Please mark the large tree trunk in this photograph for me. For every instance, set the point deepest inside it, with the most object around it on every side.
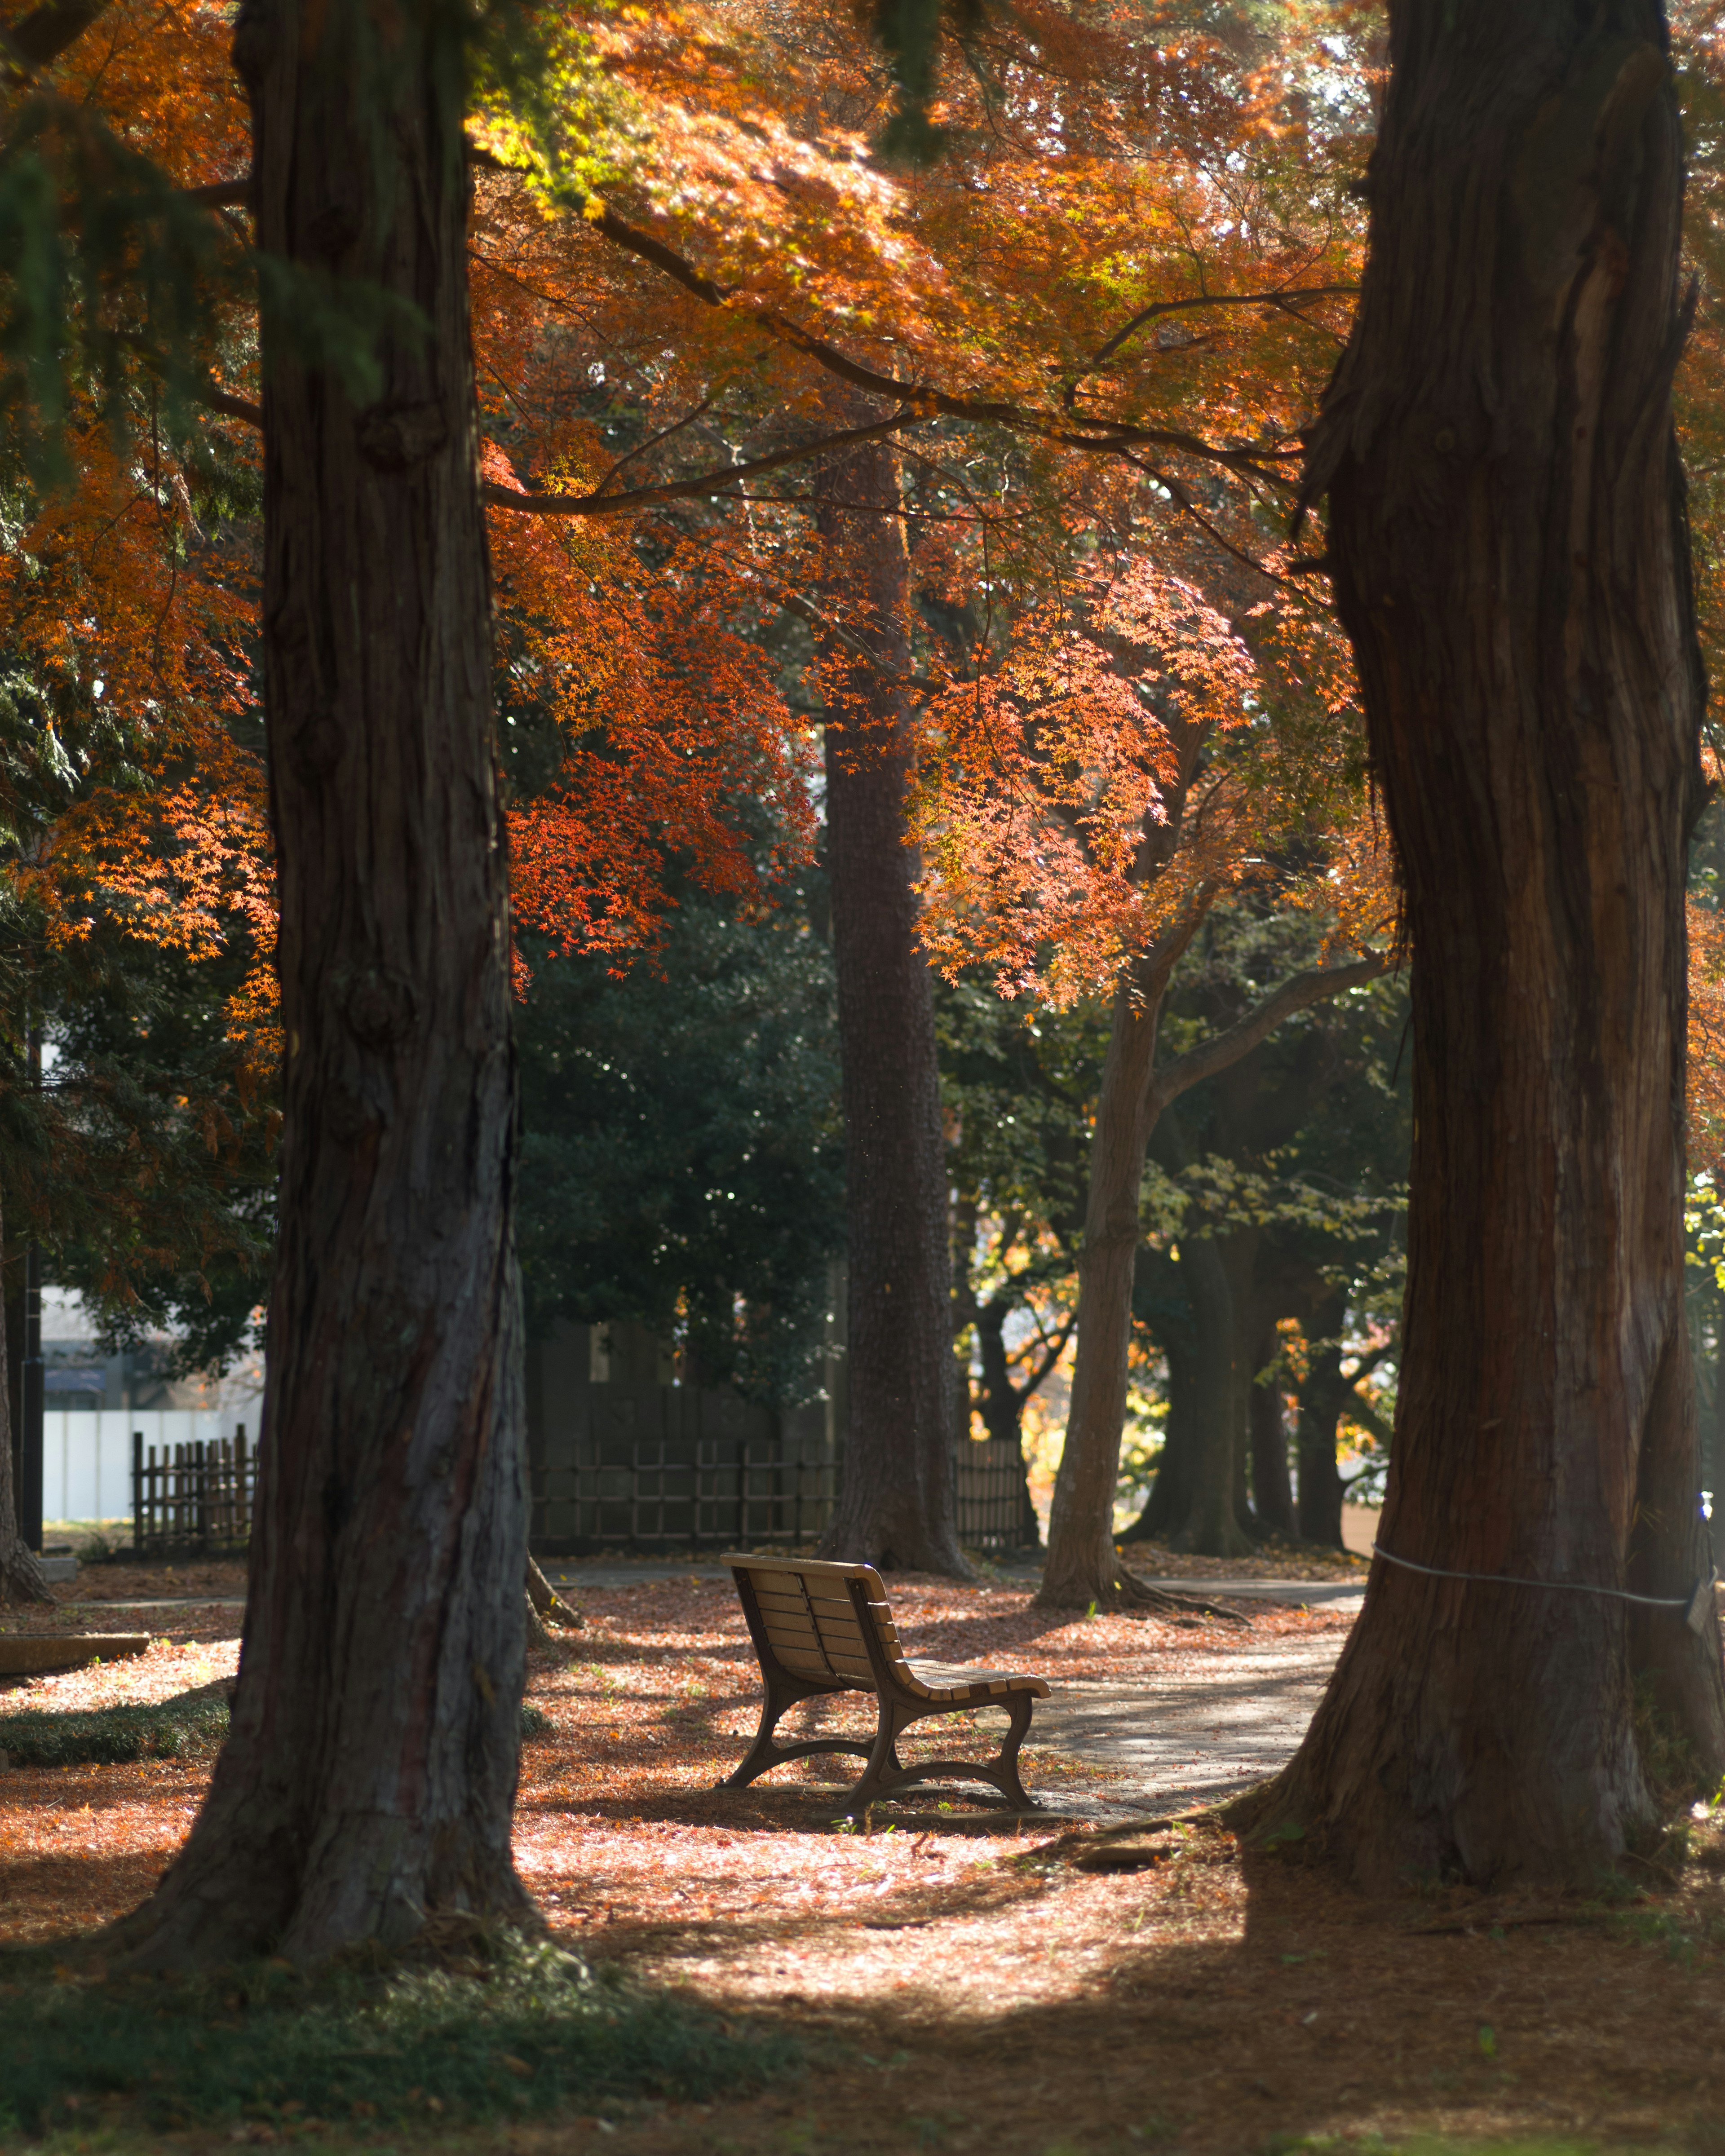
(21, 1578)
(368, 1781)
(897, 1498)
(1509, 544)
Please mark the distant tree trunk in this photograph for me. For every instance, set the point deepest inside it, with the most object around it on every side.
(1002, 1408)
(1177, 1471)
(1083, 1566)
(1509, 543)
(897, 1501)
(1272, 1489)
(368, 1781)
(1213, 1527)
(1320, 1395)
(21, 1578)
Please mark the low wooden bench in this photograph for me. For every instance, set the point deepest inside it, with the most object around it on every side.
(824, 1628)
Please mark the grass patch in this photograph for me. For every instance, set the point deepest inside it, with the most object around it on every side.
(196, 1721)
(530, 2030)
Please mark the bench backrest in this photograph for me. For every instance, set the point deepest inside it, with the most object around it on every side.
(807, 1612)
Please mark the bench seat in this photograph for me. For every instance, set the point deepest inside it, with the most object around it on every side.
(819, 1628)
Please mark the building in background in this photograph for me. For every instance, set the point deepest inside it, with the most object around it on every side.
(95, 1403)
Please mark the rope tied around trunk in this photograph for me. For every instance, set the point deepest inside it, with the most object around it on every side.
(1694, 1605)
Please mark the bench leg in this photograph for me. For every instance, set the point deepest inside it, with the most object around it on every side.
(886, 1774)
(763, 1754)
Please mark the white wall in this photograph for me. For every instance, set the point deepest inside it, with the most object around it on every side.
(86, 1452)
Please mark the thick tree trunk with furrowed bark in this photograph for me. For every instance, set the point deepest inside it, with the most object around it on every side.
(367, 1784)
(21, 1578)
(1509, 543)
(897, 1497)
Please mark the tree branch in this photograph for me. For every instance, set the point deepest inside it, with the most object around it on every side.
(221, 194)
(1356, 1408)
(601, 503)
(1226, 1047)
(46, 32)
(1275, 298)
(1097, 437)
(231, 407)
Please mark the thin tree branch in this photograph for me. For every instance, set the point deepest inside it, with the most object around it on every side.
(1227, 1047)
(1274, 298)
(221, 194)
(1096, 437)
(600, 504)
(231, 407)
(1358, 1409)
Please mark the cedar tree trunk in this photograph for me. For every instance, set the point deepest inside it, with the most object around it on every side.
(1509, 543)
(21, 1578)
(898, 1496)
(367, 1784)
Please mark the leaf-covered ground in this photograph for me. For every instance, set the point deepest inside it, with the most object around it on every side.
(957, 1988)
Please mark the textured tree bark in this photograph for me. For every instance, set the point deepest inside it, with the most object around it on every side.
(1509, 549)
(897, 1501)
(367, 1786)
(21, 1578)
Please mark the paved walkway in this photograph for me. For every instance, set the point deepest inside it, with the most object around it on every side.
(1225, 1721)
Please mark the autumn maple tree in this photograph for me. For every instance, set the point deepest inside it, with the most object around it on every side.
(1086, 806)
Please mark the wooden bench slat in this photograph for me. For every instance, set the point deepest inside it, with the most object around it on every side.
(799, 1603)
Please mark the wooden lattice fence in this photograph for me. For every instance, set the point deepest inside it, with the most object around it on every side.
(194, 1496)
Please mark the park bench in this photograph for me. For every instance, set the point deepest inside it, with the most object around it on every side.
(824, 1628)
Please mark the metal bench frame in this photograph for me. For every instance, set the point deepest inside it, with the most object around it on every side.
(886, 1772)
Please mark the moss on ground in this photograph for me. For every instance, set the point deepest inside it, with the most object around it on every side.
(526, 2029)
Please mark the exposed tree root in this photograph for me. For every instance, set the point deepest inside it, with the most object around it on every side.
(544, 1601)
(1131, 1593)
(21, 1578)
